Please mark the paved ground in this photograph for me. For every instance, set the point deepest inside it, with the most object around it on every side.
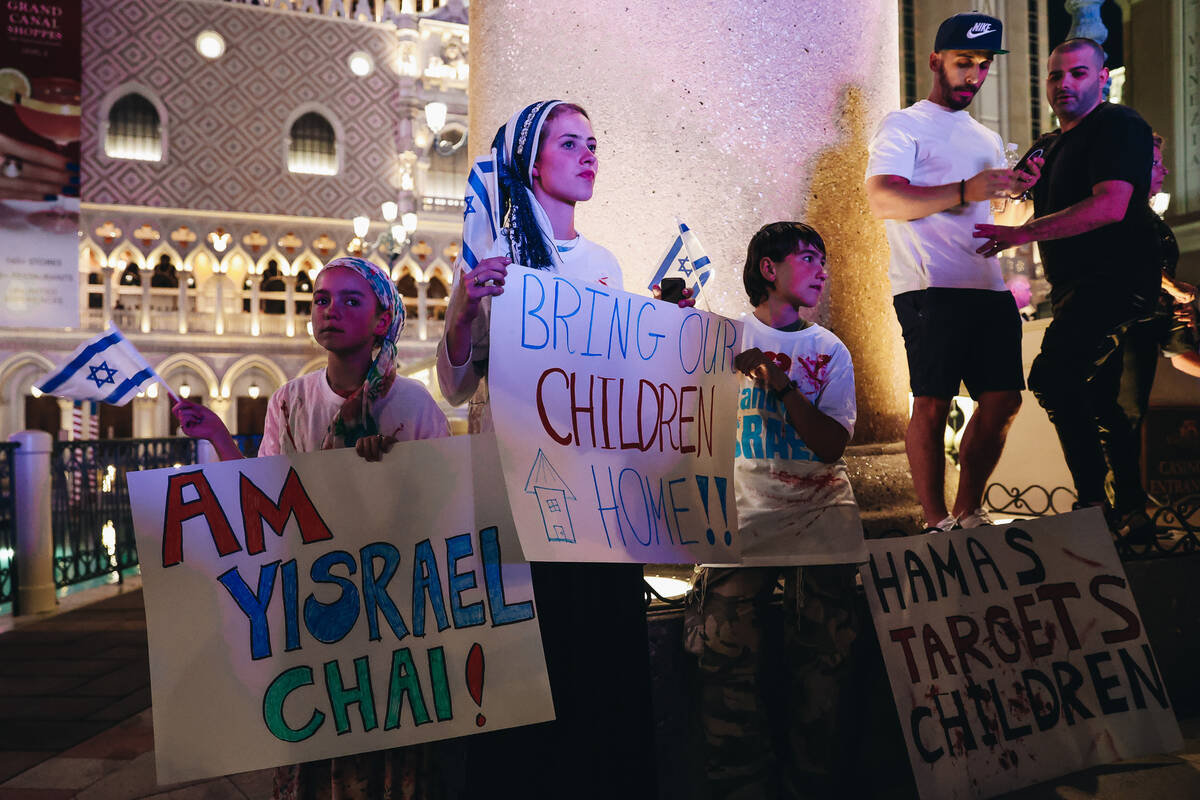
(75, 720)
(75, 709)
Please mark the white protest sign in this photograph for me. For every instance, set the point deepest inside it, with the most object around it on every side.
(1015, 653)
(615, 417)
(319, 605)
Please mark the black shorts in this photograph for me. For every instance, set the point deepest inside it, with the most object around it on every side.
(972, 336)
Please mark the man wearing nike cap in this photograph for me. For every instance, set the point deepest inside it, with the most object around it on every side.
(931, 173)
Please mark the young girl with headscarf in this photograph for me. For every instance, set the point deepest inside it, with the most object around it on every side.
(592, 616)
(358, 401)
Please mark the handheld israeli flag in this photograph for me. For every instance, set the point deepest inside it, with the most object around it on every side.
(108, 368)
(686, 259)
(481, 218)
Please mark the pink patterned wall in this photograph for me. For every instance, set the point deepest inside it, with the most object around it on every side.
(226, 119)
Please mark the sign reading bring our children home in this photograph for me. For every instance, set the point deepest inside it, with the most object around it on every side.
(319, 605)
(615, 416)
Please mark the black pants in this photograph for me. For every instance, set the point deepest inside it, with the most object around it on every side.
(601, 743)
(1093, 378)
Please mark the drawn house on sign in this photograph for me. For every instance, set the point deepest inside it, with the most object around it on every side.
(552, 495)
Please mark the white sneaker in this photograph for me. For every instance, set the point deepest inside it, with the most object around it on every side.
(948, 524)
(976, 519)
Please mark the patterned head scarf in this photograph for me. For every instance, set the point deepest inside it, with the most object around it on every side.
(354, 419)
(530, 237)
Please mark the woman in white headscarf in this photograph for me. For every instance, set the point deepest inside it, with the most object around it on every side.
(592, 616)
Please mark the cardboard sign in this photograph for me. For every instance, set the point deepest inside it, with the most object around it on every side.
(320, 605)
(1015, 653)
(615, 416)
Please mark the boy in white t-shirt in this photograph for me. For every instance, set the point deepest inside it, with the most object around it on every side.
(795, 507)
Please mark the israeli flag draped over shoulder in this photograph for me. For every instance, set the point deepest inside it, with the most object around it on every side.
(481, 218)
(686, 259)
(108, 368)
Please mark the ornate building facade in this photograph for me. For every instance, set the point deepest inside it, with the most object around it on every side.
(227, 149)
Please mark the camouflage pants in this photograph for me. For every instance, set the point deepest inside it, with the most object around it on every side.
(725, 625)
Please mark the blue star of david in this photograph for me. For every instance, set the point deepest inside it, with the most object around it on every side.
(95, 374)
(684, 268)
(470, 205)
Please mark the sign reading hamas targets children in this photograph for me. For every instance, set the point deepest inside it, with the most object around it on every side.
(1015, 654)
(615, 416)
(318, 606)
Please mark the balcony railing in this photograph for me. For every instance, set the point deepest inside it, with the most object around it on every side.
(237, 320)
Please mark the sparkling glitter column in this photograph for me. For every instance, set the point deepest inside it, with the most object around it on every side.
(729, 115)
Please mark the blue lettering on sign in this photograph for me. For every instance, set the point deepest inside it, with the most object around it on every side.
(528, 313)
(559, 316)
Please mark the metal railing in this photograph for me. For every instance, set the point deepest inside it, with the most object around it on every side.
(90, 515)
(8, 524)
(1176, 519)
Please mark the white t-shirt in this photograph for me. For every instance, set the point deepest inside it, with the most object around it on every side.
(792, 508)
(582, 260)
(299, 413)
(931, 146)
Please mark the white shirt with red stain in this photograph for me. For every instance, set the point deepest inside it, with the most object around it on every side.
(792, 508)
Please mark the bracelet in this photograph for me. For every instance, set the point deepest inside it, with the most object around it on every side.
(781, 392)
(962, 192)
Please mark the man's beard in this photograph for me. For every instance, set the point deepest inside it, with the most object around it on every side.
(950, 93)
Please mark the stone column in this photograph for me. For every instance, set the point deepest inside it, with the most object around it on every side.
(106, 275)
(219, 311)
(422, 310)
(182, 301)
(35, 542)
(255, 311)
(289, 283)
(729, 117)
(144, 275)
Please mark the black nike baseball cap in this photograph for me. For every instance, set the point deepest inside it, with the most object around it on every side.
(971, 31)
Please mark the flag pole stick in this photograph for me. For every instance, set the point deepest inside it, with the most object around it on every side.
(167, 386)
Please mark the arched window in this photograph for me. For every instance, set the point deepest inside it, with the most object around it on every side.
(312, 146)
(134, 130)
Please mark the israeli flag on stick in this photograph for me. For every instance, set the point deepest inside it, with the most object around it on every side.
(108, 368)
(481, 217)
(686, 259)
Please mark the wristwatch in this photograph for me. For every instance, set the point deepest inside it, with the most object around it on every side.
(781, 392)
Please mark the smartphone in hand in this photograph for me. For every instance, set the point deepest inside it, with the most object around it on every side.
(672, 289)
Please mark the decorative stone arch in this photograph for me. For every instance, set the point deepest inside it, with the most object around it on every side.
(128, 252)
(90, 250)
(17, 374)
(285, 266)
(200, 262)
(339, 134)
(312, 365)
(442, 270)
(109, 100)
(308, 261)
(248, 363)
(195, 364)
(18, 363)
(407, 266)
(237, 264)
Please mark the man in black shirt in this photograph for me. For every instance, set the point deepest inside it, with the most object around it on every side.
(1096, 246)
